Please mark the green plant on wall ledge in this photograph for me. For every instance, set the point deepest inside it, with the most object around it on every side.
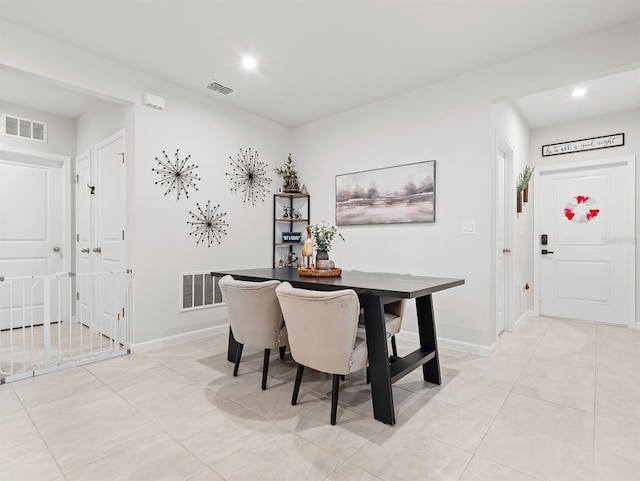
(289, 176)
(524, 177)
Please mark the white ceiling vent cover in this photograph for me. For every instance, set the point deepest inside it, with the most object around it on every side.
(13, 126)
(218, 87)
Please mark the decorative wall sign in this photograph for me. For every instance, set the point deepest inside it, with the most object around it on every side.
(594, 143)
(176, 175)
(208, 224)
(583, 210)
(249, 174)
(395, 195)
(292, 237)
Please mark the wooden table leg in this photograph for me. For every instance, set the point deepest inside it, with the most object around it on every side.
(428, 338)
(233, 347)
(381, 392)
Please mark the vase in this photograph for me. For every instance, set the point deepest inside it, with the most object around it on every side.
(321, 256)
(519, 202)
(525, 194)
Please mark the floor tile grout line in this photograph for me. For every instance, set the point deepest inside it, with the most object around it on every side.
(42, 439)
(595, 408)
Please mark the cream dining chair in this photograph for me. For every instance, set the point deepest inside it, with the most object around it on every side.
(323, 334)
(393, 314)
(255, 318)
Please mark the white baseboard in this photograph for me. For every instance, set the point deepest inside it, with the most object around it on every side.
(523, 317)
(478, 349)
(638, 326)
(179, 338)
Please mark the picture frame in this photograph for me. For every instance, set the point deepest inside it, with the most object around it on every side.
(401, 194)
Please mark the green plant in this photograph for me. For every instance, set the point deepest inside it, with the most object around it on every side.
(287, 171)
(325, 235)
(524, 177)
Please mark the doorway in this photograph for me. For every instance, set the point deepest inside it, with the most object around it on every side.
(585, 266)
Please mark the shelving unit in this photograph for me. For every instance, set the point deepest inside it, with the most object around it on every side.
(291, 213)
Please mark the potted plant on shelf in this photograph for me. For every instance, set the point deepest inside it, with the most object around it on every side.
(289, 176)
(523, 186)
(324, 236)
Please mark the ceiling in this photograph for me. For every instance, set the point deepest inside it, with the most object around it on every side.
(315, 57)
(36, 93)
(606, 95)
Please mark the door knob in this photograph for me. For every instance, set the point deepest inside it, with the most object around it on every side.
(97, 249)
(85, 250)
(506, 251)
(56, 249)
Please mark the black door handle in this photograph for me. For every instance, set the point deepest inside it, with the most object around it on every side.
(545, 251)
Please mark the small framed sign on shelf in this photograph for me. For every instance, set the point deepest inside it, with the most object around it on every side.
(292, 237)
(594, 143)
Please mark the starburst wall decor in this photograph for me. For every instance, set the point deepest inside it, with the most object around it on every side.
(208, 224)
(176, 175)
(249, 175)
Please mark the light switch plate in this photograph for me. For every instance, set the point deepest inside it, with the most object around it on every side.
(468, 227)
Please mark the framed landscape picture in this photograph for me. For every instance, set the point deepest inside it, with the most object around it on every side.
(394, 195)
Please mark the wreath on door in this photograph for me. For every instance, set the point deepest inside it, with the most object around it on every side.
(588, 209)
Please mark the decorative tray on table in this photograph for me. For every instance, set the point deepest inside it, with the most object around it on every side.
(305, 271)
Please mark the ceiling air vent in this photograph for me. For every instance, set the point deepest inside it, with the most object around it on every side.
(218, 87)
(24, 128)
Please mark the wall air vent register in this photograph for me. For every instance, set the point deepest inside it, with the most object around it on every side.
(199, 290)
(13, 126)
(218, 87)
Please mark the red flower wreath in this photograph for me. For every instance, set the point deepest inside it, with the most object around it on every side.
(590, 209)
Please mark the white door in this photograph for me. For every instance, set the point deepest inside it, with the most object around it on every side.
(85, 211)
(110, 194)
(586, 268)
(504, 241)
(501, 250)
(101, 220)
(32, 236)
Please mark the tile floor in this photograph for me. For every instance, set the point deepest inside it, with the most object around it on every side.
(560, 400)
(22, 350)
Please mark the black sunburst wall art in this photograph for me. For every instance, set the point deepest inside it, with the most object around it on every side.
(176, 175)
(208, 224)
(248, 174)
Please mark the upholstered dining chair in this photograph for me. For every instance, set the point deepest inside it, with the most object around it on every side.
(323, 334)
(255, 318)
(393, 313)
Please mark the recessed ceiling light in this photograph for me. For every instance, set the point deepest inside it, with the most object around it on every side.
(249, 62)
(579, 92)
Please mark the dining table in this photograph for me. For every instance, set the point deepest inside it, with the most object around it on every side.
(374, 290)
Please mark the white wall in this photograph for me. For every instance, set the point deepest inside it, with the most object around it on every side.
(626, 122)
(100, 121)
(61, 131)
(438, 123)
(511, 126)
(208, 130)
(454, 123)
(210, 133)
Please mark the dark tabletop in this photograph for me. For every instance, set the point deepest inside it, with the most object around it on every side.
(373, 283)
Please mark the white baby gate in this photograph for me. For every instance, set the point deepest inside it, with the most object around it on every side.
(53, 322)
